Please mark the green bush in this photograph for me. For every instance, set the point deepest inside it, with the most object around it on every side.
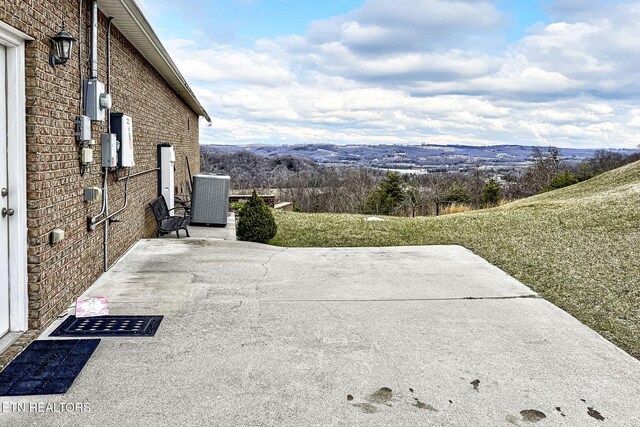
(236, 206)
(561, 180)
(386, 197)
(255, 221)
(491, 194)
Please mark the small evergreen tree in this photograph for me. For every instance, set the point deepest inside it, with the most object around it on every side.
(491, 193)
(561, 180)
(255, 221)
(387, 196)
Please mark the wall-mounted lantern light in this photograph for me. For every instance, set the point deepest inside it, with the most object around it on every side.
(61, 45)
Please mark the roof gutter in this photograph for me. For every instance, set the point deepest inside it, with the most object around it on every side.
(131, 22)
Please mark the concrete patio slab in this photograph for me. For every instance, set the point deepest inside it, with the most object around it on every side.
(228, 232)
(260, 335)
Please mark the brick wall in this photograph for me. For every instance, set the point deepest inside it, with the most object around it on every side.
(58, 274)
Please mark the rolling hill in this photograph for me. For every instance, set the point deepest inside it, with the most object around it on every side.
(409, 157)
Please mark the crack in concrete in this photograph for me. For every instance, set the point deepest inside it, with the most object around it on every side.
(332, 314)
(266, 271)
(264, 264)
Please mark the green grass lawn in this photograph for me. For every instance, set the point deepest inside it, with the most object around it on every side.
(578, 247)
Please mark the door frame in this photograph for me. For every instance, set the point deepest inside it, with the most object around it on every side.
(14, 42)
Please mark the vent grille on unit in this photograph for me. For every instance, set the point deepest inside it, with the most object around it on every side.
(210, 199)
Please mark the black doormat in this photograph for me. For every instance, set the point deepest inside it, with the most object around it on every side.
(46, 367)
(108, 326)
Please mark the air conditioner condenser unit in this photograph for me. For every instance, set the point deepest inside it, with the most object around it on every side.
(210, 199)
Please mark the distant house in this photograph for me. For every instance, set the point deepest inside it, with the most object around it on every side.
(51, 178)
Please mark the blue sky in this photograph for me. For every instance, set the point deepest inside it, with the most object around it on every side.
(522, 14)
(242, 22)
(481, 72)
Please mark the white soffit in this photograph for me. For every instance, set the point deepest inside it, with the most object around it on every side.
(129, 20)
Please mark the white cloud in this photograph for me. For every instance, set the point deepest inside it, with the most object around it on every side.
(414, 71)
(220, 63)
(402, 25)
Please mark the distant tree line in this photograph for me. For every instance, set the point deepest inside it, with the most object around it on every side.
(313, 187)
(248, 170)
(548, 172)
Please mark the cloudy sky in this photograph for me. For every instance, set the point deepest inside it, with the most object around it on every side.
(538, 72)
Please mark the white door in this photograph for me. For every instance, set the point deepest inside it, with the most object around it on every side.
(4, 199)
(14, 301)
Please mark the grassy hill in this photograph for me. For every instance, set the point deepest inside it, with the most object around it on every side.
(578, 247)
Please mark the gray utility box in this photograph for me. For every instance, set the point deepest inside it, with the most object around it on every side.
(210, 199)
(93, 91)
(109, 150)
